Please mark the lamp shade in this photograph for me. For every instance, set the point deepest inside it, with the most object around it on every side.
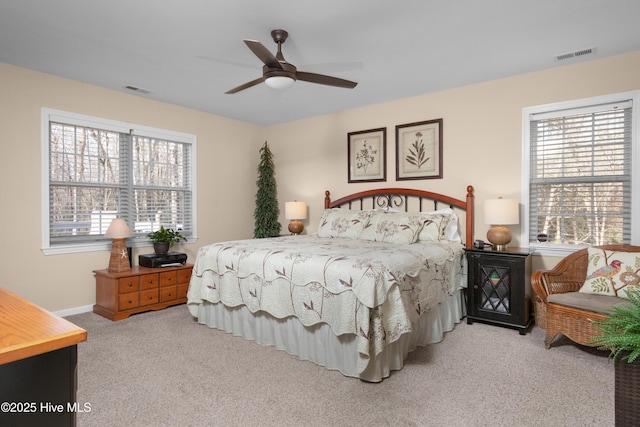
(295, 210)
(501, 211)
(118, 229)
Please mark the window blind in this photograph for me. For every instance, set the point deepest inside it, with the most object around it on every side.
(96, 175)
(580, 175)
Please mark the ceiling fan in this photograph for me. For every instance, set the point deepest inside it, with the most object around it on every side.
(279, 74)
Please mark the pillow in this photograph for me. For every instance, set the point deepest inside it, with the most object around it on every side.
(393, 227)
(451, 232)
(611, 272)
(343, 223)
(435, 227)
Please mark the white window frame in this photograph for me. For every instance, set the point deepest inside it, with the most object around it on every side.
(564, 250)
(48, 115)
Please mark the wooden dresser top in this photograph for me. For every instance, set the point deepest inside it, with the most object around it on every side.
(27, 330)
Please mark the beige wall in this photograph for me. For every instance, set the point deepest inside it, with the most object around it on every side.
(482, 147)
(227, 150)
(482, 136)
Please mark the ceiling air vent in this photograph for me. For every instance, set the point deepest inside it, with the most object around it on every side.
(581, 52)
(137, 89)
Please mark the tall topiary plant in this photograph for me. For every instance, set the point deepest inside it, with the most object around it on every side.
(267, 210)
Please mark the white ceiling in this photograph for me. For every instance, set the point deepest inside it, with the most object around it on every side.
(189, 52)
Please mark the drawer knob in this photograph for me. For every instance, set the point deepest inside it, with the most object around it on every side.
(130, 284)
(150, 297)
(130, 301)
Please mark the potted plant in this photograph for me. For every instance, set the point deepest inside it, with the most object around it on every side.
(164, 238)
(620, 334)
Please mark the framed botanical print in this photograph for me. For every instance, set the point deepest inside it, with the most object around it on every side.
(419, 150)
(366, 152)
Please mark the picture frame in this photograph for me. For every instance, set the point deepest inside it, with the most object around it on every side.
(367, 155)
(419, 150)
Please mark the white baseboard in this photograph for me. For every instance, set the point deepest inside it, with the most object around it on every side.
(72, 311)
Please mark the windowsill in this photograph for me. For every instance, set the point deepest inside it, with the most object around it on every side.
(542, 249)
(98, 246)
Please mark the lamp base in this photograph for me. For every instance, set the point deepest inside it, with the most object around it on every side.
(499, 236)
(296, 227)
(119, 260)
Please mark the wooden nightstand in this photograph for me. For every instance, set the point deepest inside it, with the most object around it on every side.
(499, 287)
(119, 295)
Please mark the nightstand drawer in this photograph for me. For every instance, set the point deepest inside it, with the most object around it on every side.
(149, 281)
(168, 293)
(127, 301)
(183, 288)
(184, 276)
(169, 278)
(148, 297)
(128, 284)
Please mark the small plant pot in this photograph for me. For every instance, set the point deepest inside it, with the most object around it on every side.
(161, 248)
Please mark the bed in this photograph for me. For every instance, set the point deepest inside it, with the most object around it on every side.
(383, 275)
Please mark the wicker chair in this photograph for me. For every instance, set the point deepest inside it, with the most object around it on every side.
(568, 276)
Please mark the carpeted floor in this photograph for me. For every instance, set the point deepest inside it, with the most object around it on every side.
(164, 369)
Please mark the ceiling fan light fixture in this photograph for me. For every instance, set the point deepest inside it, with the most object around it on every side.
(279, 82)
(278, 74)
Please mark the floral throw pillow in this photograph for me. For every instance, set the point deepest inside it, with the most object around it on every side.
(343, 223)
(611, 272)
(435, 227)
(451, 231)
(393, 227)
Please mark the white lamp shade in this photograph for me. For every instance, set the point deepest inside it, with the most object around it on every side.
(279, 82)
(295, 210)
(501, 211)
(118, 229)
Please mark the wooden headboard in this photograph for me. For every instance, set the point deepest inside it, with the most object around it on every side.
(404, 198)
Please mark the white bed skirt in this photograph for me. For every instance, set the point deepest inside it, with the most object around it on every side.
(320, 345)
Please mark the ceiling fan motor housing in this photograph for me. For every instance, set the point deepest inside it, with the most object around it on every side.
(287, 70)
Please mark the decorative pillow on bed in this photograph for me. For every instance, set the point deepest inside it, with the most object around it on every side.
(343, 223)
(611, 272)
(437, 227)
(451, 232)
(393, 227)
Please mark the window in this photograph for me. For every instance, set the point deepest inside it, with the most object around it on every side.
(95, 170)
(580, 187)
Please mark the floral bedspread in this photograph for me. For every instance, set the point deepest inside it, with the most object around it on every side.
(372, 289)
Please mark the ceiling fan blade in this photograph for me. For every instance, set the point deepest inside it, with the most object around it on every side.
(245, 85)
(263, 53)
(325, 80)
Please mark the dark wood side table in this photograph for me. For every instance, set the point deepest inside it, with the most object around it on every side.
(499, 287)
(38, 365)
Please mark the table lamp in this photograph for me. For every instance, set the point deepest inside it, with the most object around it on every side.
(500, 212)
(118, 231)
(295, 211)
